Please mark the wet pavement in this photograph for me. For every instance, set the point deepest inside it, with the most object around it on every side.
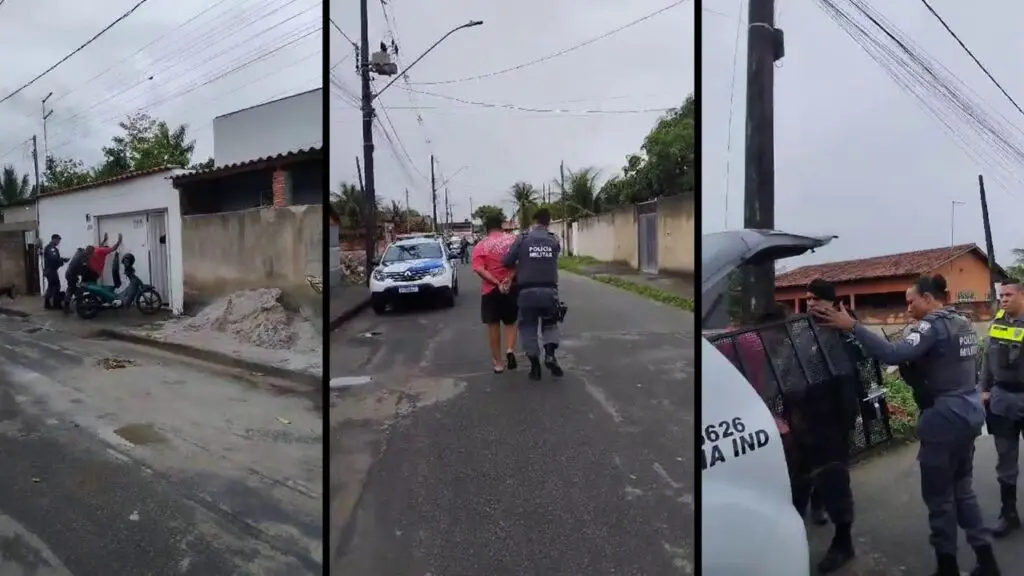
(120, 460)
(439, 466)
(891, 526)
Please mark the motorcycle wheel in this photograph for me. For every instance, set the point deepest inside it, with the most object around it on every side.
(88, 306)
(149, 301)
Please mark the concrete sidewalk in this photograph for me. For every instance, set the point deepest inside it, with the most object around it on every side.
(891, 526)
(673, 284)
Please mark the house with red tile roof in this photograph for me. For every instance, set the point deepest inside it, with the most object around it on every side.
(876, 287)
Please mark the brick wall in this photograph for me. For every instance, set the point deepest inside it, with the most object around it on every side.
(279, 186)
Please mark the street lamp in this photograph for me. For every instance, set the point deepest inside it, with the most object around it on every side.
(370, 199)
(952, 220)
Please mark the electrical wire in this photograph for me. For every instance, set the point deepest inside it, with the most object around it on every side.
(342, 32)
(75, 51)
(140, 50)
(541, 110)
(238, 66)
(984, 135)
(194, 66)
(971, 54)
(562, 52)
(732, 100)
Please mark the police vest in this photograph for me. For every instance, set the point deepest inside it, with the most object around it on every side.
(1007, 338)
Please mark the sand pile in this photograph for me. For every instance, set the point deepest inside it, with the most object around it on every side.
(250, 316)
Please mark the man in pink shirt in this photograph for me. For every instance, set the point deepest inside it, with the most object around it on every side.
(498, 304)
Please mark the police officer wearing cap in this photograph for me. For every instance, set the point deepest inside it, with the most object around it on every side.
(938, 359)
(1002, 390)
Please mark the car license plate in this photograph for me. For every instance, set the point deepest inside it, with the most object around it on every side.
(408, 289)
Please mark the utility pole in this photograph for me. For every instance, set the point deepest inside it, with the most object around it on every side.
(35, 161)
(561, 186)
(433, 192)
(46, 148)
(369, 191)
(952, 221)
(764, 48)
(447, 212)
(471, 207)
(993, 301)
(408, 213)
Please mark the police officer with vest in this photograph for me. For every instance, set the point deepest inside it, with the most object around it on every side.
(938, 359)
(52, 262)
(534, 255)
(1002, 390)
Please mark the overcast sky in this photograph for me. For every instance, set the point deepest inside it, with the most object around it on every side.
(181, 55)
(855, 156)
(649, 65)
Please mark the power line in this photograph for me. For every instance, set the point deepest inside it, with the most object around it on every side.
(75, 51)
(544, 110)
(971, 54)
(342, 32)
(560, 52)
(140, 50)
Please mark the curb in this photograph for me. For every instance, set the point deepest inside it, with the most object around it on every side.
(349, 314)
(304, 378)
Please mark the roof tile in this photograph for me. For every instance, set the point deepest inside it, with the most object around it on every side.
(890, 266)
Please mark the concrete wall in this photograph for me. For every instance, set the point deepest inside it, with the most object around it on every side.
(676, 233)
(284, 125)
(20, 213)
(74, 216)
(259, 248)
(612, 237)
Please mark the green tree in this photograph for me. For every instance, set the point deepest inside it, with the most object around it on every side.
(146, 143)
(63, 173)
(483, 212)
(13, 189)
(665, 165)
(348, 203)
(1016, 270)
(579, 196)
(525, 198)
(205, 164)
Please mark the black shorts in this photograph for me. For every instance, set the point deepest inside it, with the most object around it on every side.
(496, 308)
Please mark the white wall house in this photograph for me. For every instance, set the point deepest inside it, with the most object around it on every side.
(277, 127)
(143, 207)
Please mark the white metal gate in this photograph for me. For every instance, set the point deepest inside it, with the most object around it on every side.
(159, 268)
(647, 236)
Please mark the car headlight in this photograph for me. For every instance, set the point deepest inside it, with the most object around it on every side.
(378, 275)
(437, 272)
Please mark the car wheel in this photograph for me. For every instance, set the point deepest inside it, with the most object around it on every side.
(448, 299)
(379, 307)
(455, 288)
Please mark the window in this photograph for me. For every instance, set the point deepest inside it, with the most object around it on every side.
(405, 252)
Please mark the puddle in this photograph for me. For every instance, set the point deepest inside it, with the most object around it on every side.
(140, 434)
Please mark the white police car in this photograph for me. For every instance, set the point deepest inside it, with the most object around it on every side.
(414, 267)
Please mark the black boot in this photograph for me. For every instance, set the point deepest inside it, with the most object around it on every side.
(840, 552)
(1009, 521)
(987, 565)
(947, 565)
(534, 367)
(550, 361)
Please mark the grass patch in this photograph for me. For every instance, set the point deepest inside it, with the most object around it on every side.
(577, 265)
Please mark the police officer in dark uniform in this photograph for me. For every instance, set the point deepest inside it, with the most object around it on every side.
(52, 262)
(534, 255)
(1002, 391)
(938, 360)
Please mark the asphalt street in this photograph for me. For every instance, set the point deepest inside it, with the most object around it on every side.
(439, 466)
(117, 460)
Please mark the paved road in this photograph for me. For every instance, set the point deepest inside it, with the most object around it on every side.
(440, 467)
(891, 529)
(161, 467)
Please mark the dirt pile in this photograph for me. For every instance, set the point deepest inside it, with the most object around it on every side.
(353, 267)
(251, 316)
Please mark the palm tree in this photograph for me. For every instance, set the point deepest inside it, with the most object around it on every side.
(580, 192)
(12, 188)
(348, 203)
(525, 197)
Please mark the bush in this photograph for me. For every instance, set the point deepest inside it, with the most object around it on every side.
(903, 410)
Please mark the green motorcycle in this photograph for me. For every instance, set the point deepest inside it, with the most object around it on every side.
(93, 298)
